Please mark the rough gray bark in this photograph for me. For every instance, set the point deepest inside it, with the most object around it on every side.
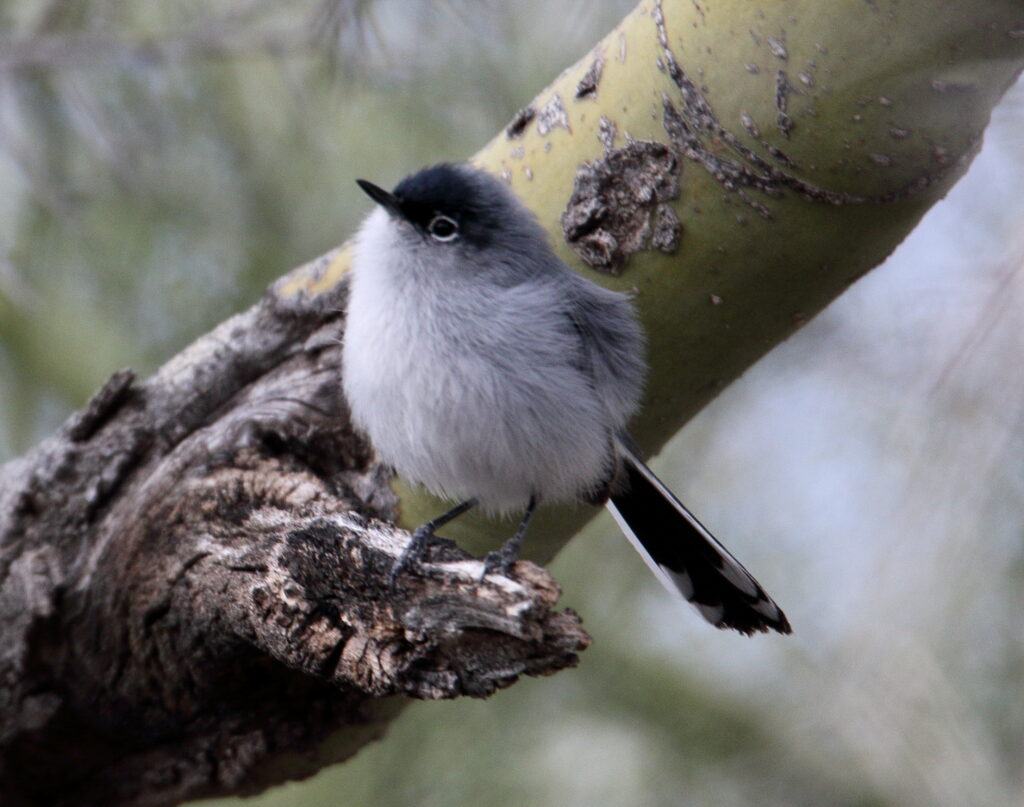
(193, 581)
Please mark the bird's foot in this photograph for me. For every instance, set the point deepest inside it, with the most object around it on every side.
(502, 560)
(413, 552)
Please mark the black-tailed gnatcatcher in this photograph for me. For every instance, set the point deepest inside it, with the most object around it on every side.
(485, 369)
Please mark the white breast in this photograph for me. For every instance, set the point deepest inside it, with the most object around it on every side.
(466, 388)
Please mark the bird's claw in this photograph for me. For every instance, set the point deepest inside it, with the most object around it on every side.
(501, 560)
(412, 554)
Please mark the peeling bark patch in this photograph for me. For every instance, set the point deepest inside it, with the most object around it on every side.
(777, 48)
(779, 155)
(607, 133)
(749, 125)
(518, 124)
(552, 114)
(697, 134)
(667, 229)
(684, 128)
(608, 217)
(782, 90)
(587, 88)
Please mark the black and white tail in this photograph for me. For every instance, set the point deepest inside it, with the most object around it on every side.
(687, 559)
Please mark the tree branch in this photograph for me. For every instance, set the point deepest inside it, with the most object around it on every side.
(194, 580)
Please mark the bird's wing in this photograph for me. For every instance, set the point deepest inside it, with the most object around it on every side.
(611, 347)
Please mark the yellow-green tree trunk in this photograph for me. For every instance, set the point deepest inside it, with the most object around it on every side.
(809, 139)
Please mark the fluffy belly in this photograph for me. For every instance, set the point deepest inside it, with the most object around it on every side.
(467, 427)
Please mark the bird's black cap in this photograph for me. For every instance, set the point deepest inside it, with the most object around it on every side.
(475, 200)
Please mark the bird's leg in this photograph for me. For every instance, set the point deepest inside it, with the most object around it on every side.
(502, 559)
(414, 549)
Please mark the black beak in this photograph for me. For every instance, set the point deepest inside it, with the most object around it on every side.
(380, 196)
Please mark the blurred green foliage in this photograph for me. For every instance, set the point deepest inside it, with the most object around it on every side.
(161, 163)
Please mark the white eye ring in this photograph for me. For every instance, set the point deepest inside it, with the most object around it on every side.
(442, 228)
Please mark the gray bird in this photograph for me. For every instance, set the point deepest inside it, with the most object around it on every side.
(482, 367)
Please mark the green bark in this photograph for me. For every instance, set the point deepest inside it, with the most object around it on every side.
(811, 138)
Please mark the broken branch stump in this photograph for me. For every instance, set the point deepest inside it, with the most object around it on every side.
(194, 581)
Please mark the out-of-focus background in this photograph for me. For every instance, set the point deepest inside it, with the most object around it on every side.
(161, 163)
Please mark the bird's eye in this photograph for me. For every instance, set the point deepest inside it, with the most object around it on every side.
(442, 228)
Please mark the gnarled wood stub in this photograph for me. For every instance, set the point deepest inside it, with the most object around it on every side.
(194, 581)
